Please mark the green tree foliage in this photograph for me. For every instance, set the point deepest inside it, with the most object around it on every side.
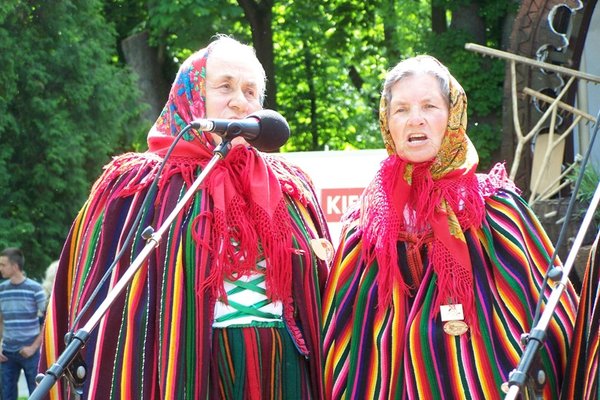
(482, 78)
(331, 57)
(65, 108)
(321, 78)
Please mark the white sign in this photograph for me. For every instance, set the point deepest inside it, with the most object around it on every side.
(339, 178)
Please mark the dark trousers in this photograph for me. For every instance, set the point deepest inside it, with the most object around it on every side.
(11, 370)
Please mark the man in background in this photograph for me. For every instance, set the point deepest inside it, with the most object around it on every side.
(22, 306)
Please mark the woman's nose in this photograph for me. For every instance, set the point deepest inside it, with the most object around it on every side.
(238, 101)
(415, 117)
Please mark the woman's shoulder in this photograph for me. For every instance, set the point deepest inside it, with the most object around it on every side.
(292, 177)
(497, 182)
(135, 167)
(129, 160)
(502, 197)
(284, 167)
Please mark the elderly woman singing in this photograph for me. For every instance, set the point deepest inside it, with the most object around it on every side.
(439, 269)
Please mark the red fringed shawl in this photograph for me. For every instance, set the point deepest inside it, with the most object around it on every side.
(434, 201)
(423, 210)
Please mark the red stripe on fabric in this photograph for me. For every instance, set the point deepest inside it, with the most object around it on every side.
(252, 365)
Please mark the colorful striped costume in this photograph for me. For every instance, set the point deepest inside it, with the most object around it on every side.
(157, 341)
(429, 235)
(583, 368)
(402, 351)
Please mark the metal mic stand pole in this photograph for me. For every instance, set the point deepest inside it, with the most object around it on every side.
(152, 237)
(518, 376)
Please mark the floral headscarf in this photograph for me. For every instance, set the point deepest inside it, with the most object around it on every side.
(430, 202)
(246, 207)
(186, 103)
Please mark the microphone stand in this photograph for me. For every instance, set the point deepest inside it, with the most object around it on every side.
(518, 376)
(79, 339)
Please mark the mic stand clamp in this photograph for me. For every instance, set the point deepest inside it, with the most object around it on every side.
(76, 371)
(534, 377)
(70, 358)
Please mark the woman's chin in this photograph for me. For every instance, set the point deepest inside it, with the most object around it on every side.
(417, 157)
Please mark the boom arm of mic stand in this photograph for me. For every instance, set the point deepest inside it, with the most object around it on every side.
(153, 239)
(518, 376)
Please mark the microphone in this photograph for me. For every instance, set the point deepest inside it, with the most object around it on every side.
(266, 130)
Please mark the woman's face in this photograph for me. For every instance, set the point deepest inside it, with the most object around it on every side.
(232, 88)
(418, 116)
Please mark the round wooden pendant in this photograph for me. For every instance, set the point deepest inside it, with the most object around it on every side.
(456, 328)
(322, 248)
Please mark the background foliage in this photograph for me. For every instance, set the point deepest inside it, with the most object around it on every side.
(68, 100)
(65, 107)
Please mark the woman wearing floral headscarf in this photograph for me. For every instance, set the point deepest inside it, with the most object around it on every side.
(228, 306)
(439, 269)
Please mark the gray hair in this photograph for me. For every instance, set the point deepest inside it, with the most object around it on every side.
(222, 42)
(48, 281)
(422, 64)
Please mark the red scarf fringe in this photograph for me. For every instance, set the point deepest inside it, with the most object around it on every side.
(414, 204)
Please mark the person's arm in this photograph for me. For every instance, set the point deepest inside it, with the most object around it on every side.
(28, 351)
(2, 356)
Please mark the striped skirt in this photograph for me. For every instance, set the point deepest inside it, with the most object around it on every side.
(257, 363)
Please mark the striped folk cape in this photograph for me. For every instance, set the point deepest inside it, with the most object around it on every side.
(583, 369)
(402, 352)
(156, 341)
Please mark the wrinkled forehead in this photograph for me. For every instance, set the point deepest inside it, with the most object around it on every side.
(220, 63)
(428, 86)
(236, 57)
(417, 66)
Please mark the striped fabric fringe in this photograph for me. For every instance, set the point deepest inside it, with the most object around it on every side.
(155, 340)
(402, 352)
(583, 369)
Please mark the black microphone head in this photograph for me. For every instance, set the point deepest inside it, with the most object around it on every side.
(274, 131)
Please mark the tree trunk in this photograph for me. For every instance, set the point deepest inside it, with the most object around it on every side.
(467, 19)
(147, 63)
(438, 19)
(390, 22)
(260, 15)
(310, 77)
